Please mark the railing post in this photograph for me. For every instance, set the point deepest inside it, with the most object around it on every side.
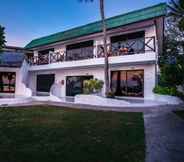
(49, 57)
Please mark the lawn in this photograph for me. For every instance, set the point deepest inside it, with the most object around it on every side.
(51, 134)
(180, 113)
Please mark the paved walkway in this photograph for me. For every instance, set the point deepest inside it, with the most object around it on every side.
(164, 137)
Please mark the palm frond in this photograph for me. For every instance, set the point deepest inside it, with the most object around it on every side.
(176, 6)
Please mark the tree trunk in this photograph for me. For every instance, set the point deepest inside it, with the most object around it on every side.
(106, 66)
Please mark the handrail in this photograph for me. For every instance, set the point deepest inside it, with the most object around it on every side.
(128, 47)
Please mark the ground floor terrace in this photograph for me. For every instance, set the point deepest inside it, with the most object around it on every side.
(129, 81)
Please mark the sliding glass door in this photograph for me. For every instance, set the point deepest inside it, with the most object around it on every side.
(7, 82)
(128, 83)
(74, 84)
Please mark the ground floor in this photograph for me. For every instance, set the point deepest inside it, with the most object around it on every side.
(131, 81)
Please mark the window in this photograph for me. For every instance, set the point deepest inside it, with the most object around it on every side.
(74, 84)
(80, 51)
(44, 82)
(128, 83)
(45, 52)
(129, 43)
(7, 82)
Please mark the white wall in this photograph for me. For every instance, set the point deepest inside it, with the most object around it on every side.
(98, 72)
(61, 75)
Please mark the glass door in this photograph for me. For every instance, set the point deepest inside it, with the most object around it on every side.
(74, 84)
(44, 82)
(128, 83)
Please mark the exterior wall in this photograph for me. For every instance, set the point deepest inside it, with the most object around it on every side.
(95, 66)
(60, 75)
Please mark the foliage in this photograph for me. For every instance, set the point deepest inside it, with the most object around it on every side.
(177, 10)
(180, 113)
(93, 86)
(170, 75)
(172, 60)
(168, 91)
(165, 90)
(51, 134)
(2, 38)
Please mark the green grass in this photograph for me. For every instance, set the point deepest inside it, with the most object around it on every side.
(180, 114)
(51, 134)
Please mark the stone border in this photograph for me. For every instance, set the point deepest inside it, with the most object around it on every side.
(100, 108)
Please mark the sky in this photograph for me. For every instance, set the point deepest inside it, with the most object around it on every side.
(25, 20)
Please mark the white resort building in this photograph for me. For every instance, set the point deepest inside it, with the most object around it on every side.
(67, 58)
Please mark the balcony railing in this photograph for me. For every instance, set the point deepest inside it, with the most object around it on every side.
(128, 47)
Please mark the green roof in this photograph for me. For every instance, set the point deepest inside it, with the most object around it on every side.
(113, 22)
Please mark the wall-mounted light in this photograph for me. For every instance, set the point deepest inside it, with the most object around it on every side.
(62, 82)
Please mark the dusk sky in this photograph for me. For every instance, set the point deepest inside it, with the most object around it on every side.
(25, 20)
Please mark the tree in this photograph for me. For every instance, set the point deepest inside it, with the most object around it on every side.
(106, 66)
(2, 38)
(177, 10)
(172, 59)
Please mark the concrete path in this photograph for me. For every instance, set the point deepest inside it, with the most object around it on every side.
(164, 137)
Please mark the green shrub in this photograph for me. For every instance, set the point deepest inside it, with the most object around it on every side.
(168, 91)
(165, 90)
(93, 86)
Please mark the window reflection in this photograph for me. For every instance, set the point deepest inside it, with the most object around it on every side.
(128, 83)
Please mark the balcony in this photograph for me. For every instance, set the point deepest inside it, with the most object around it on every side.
(137, 48)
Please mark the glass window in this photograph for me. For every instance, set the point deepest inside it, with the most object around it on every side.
(128, 43)
(128, 83)
(7, 82)
(74, 84)
(80, 51)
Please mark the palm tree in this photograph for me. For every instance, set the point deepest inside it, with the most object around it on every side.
(2, 38)
(177, 10)
(106, 66)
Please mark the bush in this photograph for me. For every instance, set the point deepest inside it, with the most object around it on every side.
(168, 91)
(93, 86)
(165, 90)
(170, 75)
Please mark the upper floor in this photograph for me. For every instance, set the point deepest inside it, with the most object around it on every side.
(134, 37)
